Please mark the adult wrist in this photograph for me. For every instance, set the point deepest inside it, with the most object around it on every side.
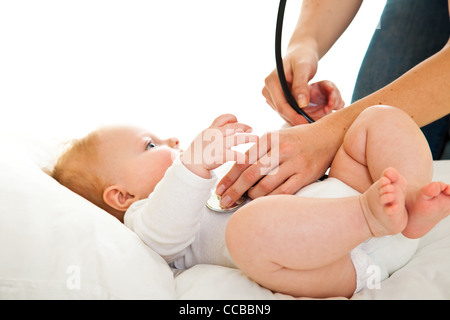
(303, 44)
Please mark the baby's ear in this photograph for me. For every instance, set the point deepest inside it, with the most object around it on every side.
(118, 198)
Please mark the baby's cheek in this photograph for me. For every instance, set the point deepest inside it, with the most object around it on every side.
(166, 156)
(173, 155)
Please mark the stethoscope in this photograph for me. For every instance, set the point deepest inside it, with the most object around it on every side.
(279, 62)
(213, 202)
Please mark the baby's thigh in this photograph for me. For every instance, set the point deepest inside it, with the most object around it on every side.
(350, 162)
(350, 171)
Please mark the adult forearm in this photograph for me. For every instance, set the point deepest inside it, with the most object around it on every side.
(322, 22)
(423, 93)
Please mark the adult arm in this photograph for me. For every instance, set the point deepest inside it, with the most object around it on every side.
(305, 152)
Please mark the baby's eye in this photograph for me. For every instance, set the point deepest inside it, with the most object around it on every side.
(150, 145)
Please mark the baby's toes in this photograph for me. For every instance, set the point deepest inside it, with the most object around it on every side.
(432, 190)
(446, 191)
(388, 188)
(391, 174)
(387, 198)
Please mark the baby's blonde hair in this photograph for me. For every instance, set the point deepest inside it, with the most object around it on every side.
(79, 169)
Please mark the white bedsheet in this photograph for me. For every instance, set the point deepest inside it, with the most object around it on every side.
(56, 245)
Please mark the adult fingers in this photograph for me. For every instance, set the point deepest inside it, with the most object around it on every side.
(235, 183)
(276, 99)
(300, 88)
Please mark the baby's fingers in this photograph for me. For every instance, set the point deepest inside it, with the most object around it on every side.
(223, 120)
(233, 128)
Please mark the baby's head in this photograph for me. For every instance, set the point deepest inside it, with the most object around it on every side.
(115, 166)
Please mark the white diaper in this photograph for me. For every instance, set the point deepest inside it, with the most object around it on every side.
(377, 258)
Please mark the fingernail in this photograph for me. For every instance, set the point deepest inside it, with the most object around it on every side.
(226, 201)
(302, 100)
(220, 189)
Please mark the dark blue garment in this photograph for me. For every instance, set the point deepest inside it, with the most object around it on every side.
(410, 31)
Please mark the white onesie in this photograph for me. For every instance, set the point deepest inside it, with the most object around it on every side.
(176, 224)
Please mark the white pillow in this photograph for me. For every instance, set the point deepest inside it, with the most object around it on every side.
(56, 245)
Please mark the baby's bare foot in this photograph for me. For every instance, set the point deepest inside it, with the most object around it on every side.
(426, 207)
(383, 204)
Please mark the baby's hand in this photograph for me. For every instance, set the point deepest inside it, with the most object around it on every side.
(212, 147)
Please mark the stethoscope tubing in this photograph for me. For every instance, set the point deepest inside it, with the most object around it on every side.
(214, 202)
(279, 63)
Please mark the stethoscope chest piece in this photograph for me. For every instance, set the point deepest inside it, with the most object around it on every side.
(213, 203)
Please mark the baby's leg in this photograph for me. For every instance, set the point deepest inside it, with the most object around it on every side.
(300, 246)
(383, 137)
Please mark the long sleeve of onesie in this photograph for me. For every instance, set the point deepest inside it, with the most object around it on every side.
(169, 220)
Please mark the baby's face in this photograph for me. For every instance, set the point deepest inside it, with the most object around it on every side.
(135, 158)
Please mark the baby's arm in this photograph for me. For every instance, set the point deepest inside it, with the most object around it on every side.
(169, 219)
(212, 147)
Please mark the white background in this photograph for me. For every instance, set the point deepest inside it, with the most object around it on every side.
(67, 67)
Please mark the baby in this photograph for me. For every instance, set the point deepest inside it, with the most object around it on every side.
(289, 244)
(118, 167)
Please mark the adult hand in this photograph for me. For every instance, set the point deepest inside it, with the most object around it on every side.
(287, 160)
(325, 97)
(318, 99)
